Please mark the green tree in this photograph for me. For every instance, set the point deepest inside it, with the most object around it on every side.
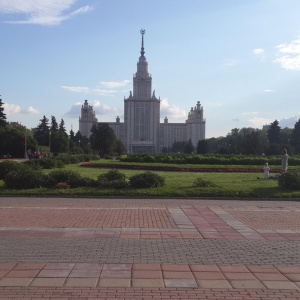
(252, 141)
(54, 125)
(273, 133)
(72, 141)
(42, 132)
(78, 138)
(15, 140)
(72, 135)
(286, 135)
(59, 142)
(234, 140)
(188, 147)
(2, 114)
(177, 147)
(62, 128)
(102, 139)
(202, 147)
(295, 137)
(119, 148)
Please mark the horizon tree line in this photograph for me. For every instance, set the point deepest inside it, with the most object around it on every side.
(15, 138)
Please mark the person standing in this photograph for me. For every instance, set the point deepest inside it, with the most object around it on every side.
(266, 170)
(284, 161)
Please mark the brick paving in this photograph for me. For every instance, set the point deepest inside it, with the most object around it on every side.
(64, 248)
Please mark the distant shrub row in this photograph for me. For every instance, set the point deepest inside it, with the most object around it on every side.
(24, 177)
(208, 159)
(45, 163)
(60, 161)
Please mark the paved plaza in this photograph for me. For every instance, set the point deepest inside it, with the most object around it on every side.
(87, 248)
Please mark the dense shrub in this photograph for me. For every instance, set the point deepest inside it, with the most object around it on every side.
(62, 186)
(33, 164)
(44, 163)
(112, 175)
(146, 180)
(24, 178)
(181, 158)
(89, 182)
(47, 163)
(7, 166)
(75, 159)
(112, 179)
(149, 158)
(289, 180)
(73, 179)
(200, 182)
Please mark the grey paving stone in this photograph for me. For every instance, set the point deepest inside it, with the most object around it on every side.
(116, 250)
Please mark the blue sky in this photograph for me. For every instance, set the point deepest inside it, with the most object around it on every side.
(239, 58)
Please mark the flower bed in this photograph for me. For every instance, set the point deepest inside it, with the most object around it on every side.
(173, 169)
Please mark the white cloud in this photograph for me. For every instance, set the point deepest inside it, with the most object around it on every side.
(13, 109)
(88, 90)
(77, 89)
(112, 87)
(74, 112)
(268, 91)
(289, 122)
(259, 51)
(32, 110)
(289, 55)
(259, 122)
(250, 113)
(171, 111)
(41, 12)
(114, 84)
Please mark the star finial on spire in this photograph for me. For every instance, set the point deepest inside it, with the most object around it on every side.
(142, 31)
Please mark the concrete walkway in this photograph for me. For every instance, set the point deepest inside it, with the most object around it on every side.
(64, 248)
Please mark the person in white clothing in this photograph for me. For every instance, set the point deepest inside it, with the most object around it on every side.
(266, 170)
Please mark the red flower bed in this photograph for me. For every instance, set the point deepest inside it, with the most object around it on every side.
(173, 169)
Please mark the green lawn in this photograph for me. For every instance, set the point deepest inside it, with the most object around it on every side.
(178, 184)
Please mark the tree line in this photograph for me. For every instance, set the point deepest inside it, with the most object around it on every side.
(269, 141)
(52, 137)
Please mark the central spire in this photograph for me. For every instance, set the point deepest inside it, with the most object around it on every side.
(143, 31)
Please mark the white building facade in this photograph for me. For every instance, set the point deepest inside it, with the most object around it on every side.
(142, 131)
(87, 119)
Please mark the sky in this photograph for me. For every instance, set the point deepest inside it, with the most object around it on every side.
(239, 58)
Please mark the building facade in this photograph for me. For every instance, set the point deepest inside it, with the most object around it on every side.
(142, 131)
(87, 119)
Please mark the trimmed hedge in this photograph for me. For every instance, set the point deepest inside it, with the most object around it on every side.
(112, 179)
(73, 179)
(208, 159)
(7, 166)
(290, 180)
(146, 180)
(24, 178)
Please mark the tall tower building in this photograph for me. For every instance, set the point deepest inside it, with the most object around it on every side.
(142, 131)
(87, 119)
(142, 111)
